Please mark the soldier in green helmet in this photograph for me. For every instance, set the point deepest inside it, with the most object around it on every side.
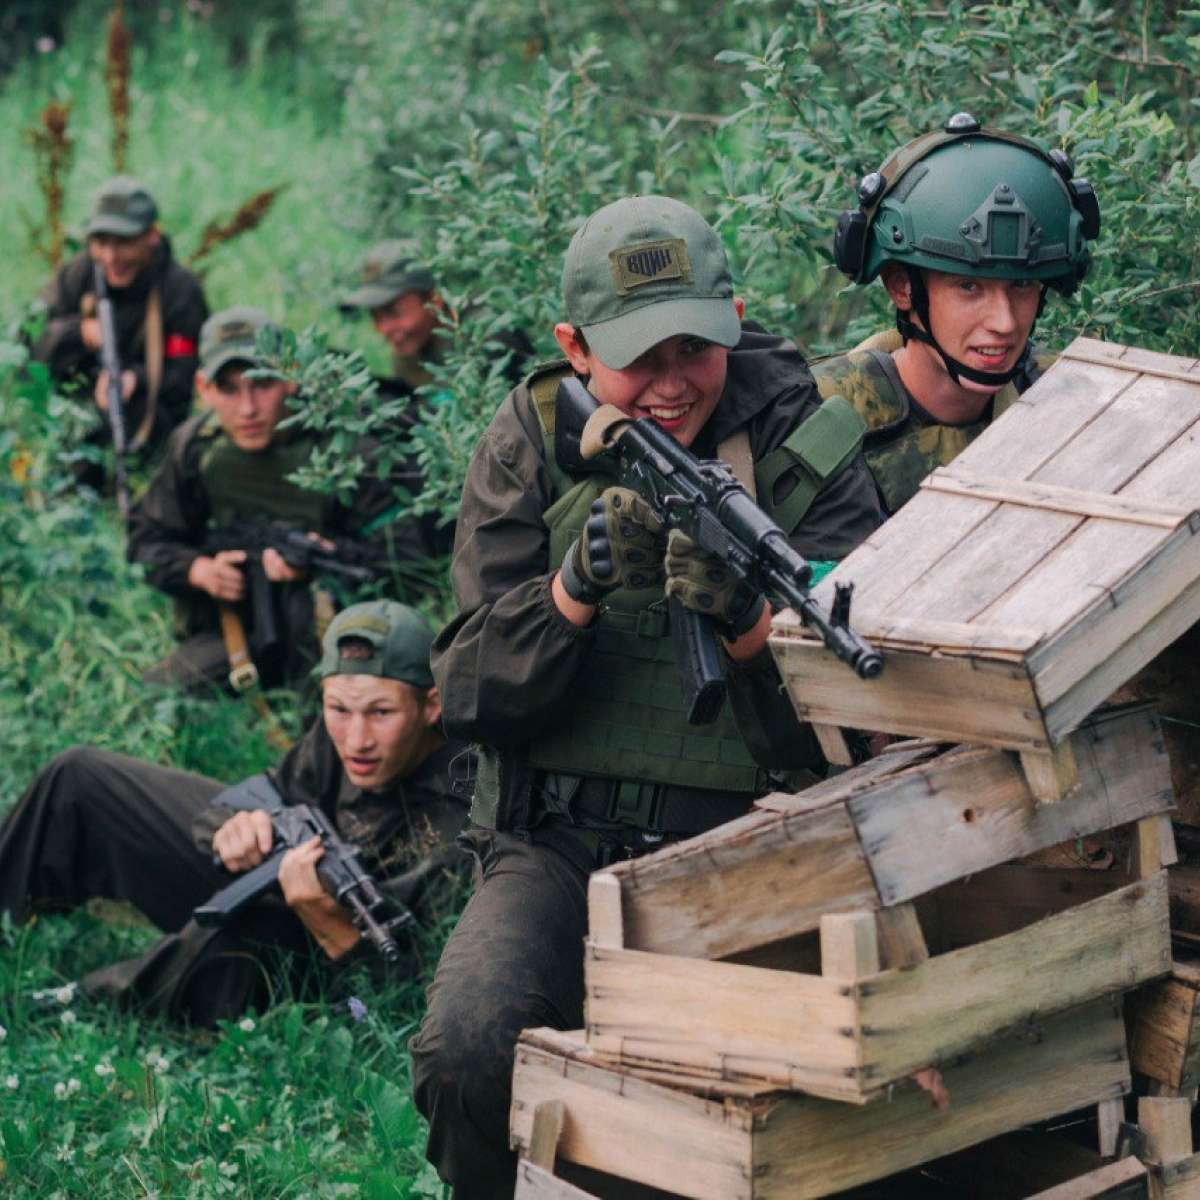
(968, 228)
(560, 662)
(229, 466)
(377, 764)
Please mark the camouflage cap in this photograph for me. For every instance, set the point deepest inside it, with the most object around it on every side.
(400, 636)
(231, 335)
(644, 269)
(122, 207)
(388, 270)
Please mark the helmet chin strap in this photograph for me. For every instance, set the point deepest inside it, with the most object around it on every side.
(909, 330)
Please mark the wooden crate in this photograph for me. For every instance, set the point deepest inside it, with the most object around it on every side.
(732, 1142)
(876, 837)
(1035, 575)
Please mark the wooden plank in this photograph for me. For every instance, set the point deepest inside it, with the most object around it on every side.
(1109, 1115)
(901, 941)
(758, 880)
(954, 699)
(889, 630)
(1124, 1180)
(544, 1134)
(1131, 358)
(1153, 847)
(799, 1147)
(1051, 776)
(694, 1013)
(975, 807)
(1072, 501)
(536, 1183)
(924, 1015)
(1185, 899)
(605, 921)
(849, 945)
(833, 745)
(839, 1147)
(1178, 1180)
(1167, 1124)
(1163, 1031)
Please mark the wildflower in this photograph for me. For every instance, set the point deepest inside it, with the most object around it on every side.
(45, 45)
(63, 1090)
(225, 1127)
(158, 1064)
(358, 1010)
(12, 1082)
(246, 1025)
(66, 993)
(104, 1068)
(67, 1018)
(228, 1169)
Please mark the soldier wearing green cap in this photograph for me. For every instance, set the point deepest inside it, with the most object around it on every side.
(376, 762)
(560, 663)
(228, 468)
(968, 228)
(158, 307)
(408, 312)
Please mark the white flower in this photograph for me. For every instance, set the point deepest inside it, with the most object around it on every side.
(228, 1168)
(246, 1025)
(63, 1090)
(103, 1068)
(67, 1018)
(158, 1063)
(73, 1085)
(3, 1033)
(66, 993)
(12, 1082)
(225, 1127)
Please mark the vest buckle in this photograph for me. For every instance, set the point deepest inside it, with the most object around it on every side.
(636, 803)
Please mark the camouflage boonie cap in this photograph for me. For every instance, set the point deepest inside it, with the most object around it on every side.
(231, 335)
(122, 207)
(387, 270)
(644, 269)
(400, 636)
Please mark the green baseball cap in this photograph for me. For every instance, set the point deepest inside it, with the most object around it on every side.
(231, 335)
(644, 269)
(400, 636)
(387, 270)
(122, 207)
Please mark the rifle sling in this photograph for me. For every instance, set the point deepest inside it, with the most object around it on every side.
(243, 675)
(153, 332)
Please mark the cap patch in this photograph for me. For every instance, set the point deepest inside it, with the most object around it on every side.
(359, 625)
(372, 271)
(650, 262)
(236, 331)
(113, 203)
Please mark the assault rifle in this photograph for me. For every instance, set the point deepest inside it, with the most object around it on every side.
(110, 362)
(341, 873)
(346, 560)
(705, 500)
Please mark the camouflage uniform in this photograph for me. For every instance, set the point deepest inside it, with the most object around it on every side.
(903, 442)
(94, 823)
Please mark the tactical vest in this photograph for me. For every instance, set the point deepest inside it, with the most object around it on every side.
(900, 448)
(627, 718)
(253, 485)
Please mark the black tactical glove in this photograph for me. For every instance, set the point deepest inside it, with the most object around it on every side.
(706, 585)
(621, 546)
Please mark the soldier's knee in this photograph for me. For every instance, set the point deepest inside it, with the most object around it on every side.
(72, 771)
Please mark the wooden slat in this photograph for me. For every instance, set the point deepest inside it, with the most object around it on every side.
(1167, 1125)
(606, 925)
(536, 1183)
(975, 806)
(1178, 1180)
(692, 1012)
(849, 945)
(1051, 776)
(1131, 358)
(1163, 1032)
(547, 1128)
(901, 941)
(1124, 1180)
(1072, 501)
(923, 1015)
(1109, 1115)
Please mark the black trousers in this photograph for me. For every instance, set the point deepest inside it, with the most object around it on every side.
(97, 824)
(514, 961)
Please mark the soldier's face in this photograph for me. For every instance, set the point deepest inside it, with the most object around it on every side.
(676, 383)
(407, 323)
(380, 728)
(984, 323)
(123, 258)
(248, 409)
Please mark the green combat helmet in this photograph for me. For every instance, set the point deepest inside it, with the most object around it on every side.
(970, 200)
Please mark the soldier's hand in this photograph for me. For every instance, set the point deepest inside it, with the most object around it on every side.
(220, 576)
(276, 568)
(244, 840)
(706, 585)
(322, 915)
(90, 334)
(621, 546)
(128, 384)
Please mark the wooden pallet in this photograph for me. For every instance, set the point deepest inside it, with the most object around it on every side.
(1031, 578)
(742, 1143)
(1164, 1031)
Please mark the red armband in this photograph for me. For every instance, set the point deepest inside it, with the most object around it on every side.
(178, 346)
